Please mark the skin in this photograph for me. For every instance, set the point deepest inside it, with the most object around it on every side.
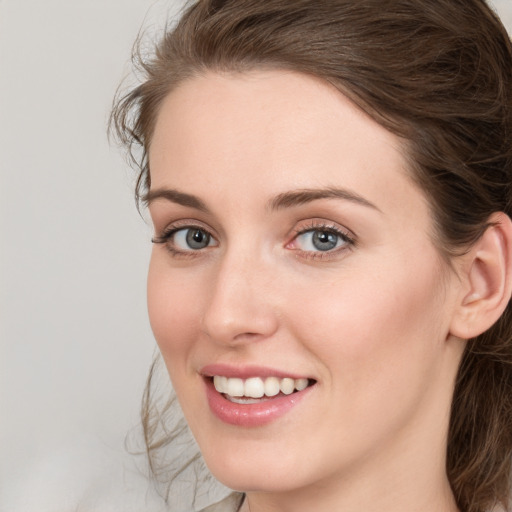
(369, 321)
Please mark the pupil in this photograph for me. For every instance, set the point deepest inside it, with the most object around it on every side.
(324, 240)
(197, 239)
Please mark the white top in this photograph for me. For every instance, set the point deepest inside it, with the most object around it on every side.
(228, 504)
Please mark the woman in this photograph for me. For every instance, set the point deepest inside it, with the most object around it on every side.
(329, 184)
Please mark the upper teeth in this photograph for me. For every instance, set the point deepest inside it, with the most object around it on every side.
(256, 387)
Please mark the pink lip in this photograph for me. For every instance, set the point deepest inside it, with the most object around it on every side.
(245, 372)
(249, 415)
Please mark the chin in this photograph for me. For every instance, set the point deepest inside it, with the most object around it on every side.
(251, 480)
(244, 471)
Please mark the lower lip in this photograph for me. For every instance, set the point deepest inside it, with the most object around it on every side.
(251, 415)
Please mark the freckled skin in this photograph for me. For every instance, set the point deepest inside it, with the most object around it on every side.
(370, 321)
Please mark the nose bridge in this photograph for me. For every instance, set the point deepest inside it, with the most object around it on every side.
(240, 305)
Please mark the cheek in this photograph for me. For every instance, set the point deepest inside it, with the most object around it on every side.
(375, 329)
(378, 341)
(173, 308)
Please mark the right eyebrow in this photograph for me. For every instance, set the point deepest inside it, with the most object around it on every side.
(308, 195)
(175, 196)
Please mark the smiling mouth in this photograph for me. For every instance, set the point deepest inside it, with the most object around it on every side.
(256, 389)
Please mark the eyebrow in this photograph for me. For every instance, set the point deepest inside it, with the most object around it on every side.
(175, 196)
(307, 195)
(281, 201)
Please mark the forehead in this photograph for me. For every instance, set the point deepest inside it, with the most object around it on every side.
(264, 132)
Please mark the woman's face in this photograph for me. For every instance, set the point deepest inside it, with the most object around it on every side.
(295, 250)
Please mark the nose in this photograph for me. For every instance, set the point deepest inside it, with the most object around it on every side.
(240, 307)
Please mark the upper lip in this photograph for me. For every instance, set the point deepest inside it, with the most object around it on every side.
(247, 371)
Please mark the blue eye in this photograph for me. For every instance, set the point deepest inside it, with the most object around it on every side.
(191, 239)
(320, 240)
(185, 240)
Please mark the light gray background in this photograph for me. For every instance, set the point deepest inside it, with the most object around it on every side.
(75, 340)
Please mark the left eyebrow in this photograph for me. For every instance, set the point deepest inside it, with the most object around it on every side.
(307, 195)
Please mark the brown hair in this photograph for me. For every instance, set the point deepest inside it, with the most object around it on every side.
(437, 73)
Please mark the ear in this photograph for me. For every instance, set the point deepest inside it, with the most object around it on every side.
(486, 280)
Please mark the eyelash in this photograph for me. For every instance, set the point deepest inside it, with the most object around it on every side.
(348, 240)
(169, 232)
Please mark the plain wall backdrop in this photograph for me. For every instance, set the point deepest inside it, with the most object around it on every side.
(75, 343)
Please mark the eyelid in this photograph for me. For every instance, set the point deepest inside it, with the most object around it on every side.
(168, 232)
(169, 229)
(322, 225)
(318, 224)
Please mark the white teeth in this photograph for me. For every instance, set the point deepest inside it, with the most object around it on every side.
(287, 386)
(301, 384)
(221, 383)
(256, 387)
(235, 387)
(272, 386)
(243, 401)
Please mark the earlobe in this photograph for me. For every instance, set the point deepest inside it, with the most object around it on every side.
(487, 280)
